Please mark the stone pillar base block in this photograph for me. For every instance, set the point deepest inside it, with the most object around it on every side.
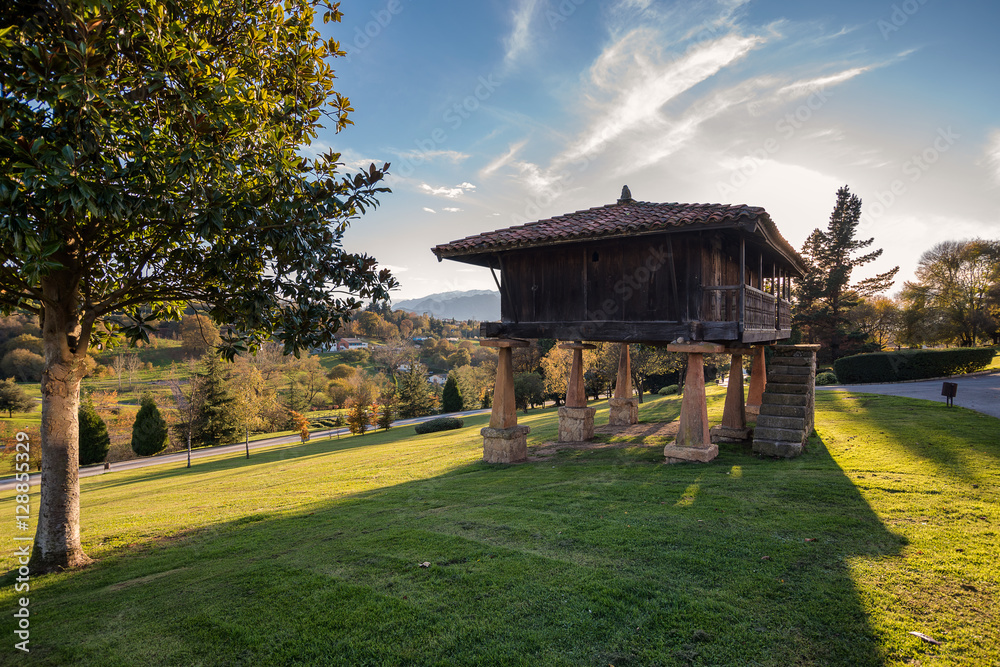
(576, 424)
(727, 434)
(681, 454)
(753, 411)
(624, 411)
(505, 445)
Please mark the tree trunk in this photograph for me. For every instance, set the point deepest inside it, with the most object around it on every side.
(57, 538)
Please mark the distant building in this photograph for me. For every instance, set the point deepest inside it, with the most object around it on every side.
(351, 344)
(438, 380)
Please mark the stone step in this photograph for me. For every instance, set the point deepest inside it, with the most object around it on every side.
(787, 388)
(783, 410)
(783, 369)
(777, 434)
(777, 448)
(791, 361)
(774, 421)
(784, 378)
(772, 398)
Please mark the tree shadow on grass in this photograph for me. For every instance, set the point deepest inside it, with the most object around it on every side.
(314, 448)
(595, 558)
(950, 443)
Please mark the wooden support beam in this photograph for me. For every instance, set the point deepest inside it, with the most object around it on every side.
(693, 430)
(652, 332)
(576, 392)
(623, 384)
(734, 415)
(758, 381)
(503, 342)
(504, 414)
(697, 348)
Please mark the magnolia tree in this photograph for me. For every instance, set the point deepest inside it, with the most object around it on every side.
(152, 158)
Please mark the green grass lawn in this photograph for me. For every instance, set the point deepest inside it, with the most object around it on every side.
(311, 554)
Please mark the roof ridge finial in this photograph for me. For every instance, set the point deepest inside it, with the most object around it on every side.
(626, 197)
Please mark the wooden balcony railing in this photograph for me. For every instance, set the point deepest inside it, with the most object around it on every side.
(760, 311)
(784, 314)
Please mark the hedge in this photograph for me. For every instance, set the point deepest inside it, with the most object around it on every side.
(439, 424)
(911, 364)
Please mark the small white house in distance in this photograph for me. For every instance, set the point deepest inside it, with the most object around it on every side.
(351, 344)
(438, 380)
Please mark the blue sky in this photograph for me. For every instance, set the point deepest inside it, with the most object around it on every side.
(497, 113)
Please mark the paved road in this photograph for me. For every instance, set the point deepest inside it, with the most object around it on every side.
(976, 392)
(240, 448)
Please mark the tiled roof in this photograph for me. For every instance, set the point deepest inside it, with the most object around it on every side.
(621, 219)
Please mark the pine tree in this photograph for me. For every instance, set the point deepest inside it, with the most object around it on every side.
(217, 422)
(357, 418)
(415, 398)
(149, 431)
(385, 416)
(94, 439)
(451, 399)
(825, 295)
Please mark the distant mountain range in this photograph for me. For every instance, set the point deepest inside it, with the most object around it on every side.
(481, 305)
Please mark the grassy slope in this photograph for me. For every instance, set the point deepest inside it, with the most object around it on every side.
(311, 553)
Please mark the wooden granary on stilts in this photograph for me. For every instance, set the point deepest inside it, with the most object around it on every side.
(695, 278)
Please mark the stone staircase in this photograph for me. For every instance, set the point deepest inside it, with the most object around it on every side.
(788, 404)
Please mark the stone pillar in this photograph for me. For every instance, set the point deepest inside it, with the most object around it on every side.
(787, 411)
(576, 420)
(758, 381)
(693, 442)
(503, 440)
(624, 406)
(734, 415)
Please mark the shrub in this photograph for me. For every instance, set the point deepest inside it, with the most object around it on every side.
(668, 390)
(911, 364)
(22, 364)
(24, 342)
(94, 439)
(439, 424)
(827, 378)
(149, 431)
(451, 398)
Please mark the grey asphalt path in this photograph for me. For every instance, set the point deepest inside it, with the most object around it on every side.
(976, 392)
(239, 448)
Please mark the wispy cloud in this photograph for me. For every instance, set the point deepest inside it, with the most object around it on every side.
(429, 156)
(503, 160)
(429, 210)
(451, 209)
(993, 155)
(519, 40)
(636, 81)
(450, 193)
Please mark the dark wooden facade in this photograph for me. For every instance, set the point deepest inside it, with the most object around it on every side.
(715, 279)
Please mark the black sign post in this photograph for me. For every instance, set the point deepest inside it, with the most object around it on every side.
(948, 390)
